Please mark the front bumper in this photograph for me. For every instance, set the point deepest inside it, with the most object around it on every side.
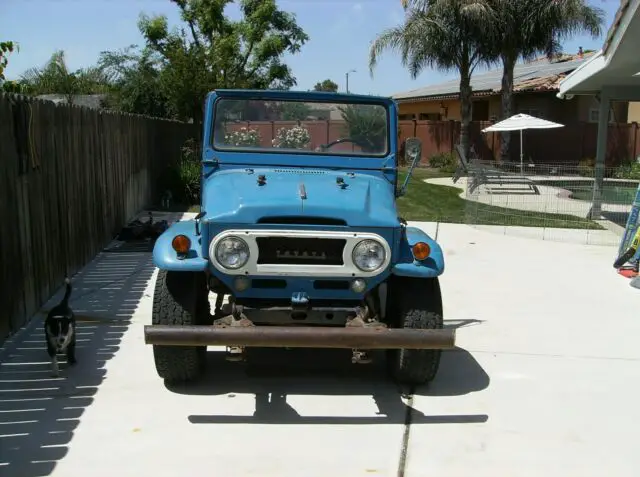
(300, 337)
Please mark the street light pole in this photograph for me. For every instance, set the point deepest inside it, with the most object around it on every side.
(347, 77)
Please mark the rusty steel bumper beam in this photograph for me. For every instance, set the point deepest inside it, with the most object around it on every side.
(300, 337)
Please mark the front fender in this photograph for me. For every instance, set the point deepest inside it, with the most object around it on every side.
(165, 258)
(408, 266)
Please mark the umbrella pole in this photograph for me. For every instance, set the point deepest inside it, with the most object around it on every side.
(521, 156)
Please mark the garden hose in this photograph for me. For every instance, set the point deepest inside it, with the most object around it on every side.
(630, 252)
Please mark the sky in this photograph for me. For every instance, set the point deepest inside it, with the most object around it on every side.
(340, 33)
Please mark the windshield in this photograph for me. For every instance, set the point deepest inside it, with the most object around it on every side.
(298, 126)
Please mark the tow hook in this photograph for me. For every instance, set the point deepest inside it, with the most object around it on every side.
(363, 319)
(234, 318)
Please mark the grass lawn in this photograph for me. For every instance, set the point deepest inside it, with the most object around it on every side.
(431, 203)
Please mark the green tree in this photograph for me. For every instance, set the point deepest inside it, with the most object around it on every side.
(218, 52)
(135, 79)
(56, 78)
(326, 85)
(450, 35)
(6, 48)
(528, 28)
(293, 111)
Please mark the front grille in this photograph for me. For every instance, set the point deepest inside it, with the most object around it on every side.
(300, 251)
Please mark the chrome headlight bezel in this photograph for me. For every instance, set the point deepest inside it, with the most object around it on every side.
(232, 238)
(358, 247)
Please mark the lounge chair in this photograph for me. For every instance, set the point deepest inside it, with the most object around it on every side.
(484, 174)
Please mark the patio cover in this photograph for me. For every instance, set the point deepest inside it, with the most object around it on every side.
(613, 74)
(518, 122)
(616, 64)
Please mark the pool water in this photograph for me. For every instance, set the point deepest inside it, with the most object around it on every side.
(611, 193)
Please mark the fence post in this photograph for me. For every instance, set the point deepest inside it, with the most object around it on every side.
(635, 140)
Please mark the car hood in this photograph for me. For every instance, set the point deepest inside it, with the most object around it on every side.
(236, 196)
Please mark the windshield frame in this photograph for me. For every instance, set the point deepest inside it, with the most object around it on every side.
(292, 155)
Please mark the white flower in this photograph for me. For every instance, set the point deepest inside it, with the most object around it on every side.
(296, 137)
(243, 137)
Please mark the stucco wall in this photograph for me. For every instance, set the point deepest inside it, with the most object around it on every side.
(634, 113)
(543, 104)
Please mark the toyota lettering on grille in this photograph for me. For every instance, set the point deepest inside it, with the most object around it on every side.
(284, 254)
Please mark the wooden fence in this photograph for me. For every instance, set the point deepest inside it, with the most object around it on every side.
(70, 178)
(567, 145)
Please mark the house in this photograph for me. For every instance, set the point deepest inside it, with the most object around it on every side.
(535, 86)
(93, 101)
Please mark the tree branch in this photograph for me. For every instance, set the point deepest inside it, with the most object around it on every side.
(243, 63)
(196, 40)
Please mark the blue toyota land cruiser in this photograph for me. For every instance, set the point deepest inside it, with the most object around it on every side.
(299, 240)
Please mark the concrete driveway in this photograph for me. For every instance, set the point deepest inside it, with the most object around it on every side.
(545, 382)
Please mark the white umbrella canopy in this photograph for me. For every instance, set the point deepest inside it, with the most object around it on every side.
(518, 122)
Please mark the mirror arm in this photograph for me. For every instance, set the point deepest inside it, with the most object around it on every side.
(416, 149)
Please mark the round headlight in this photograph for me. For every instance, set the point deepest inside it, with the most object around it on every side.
(232, 252)
(368, 255)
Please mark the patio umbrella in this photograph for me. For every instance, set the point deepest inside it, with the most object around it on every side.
(518, 122)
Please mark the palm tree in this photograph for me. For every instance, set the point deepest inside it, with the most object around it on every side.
(56, 78)
(445, 34)
(528, 28)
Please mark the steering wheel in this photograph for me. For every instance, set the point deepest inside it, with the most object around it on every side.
(324, 147)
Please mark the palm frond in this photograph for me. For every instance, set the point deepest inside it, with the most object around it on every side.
(444, 34)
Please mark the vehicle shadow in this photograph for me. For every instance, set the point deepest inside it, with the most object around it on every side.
(38, 412)
(273, 374)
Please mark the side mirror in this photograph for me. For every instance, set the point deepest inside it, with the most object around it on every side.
(413, 151)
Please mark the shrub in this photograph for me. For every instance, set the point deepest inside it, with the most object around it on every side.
(628, 171)
(367, 125)
(296, 137)
(243, 137)
(586, 167)
(182, 178)
(189, 171)
(444, 161)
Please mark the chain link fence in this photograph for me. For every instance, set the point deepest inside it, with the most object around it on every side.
(550, 202)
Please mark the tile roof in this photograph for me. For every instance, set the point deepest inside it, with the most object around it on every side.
(537, 75)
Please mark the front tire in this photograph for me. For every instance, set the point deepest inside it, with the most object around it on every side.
(414, 303)
(180, 299)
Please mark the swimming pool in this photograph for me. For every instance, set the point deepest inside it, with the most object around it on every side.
(612, 192)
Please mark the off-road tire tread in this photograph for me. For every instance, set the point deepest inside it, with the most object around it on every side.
(180, 299)
(416, 303)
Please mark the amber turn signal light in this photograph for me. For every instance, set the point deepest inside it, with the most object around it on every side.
(421, 250)
(181, 244)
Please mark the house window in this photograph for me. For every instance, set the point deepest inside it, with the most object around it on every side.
(429, 117)
(405, 117)
(594, 115)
